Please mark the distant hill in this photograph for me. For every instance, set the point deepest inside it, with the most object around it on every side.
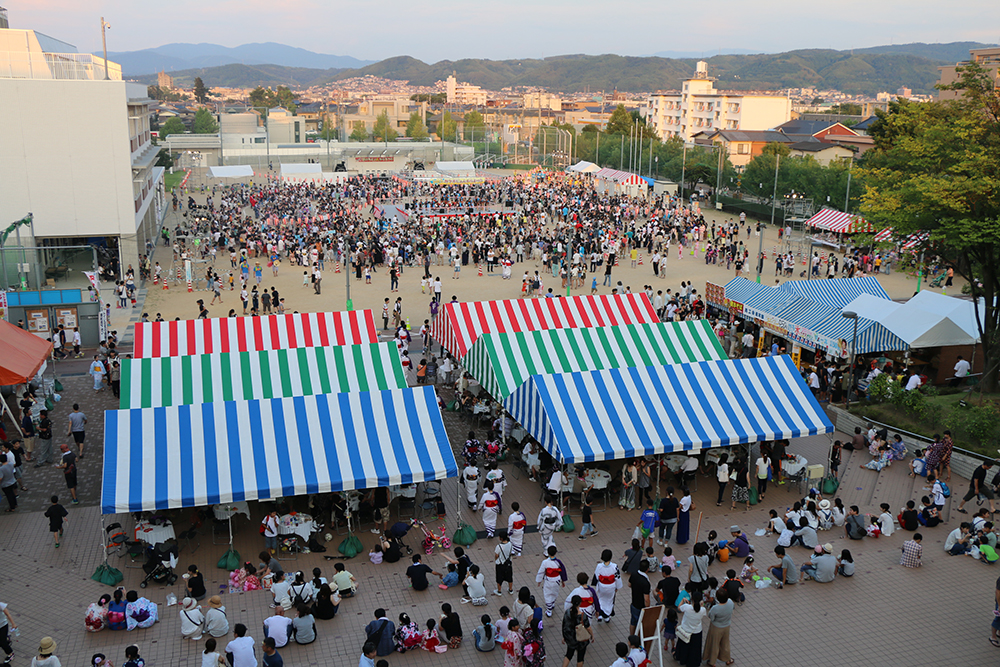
(175, 57)
(247, 76)
(867, 73)
(951, 53)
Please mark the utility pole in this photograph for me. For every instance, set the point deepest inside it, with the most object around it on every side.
(684, 158)
(774, 200)
(847, 198)
(105, 26)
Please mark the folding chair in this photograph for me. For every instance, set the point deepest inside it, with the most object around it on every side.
(428, 504)
(136, 552)
(117, 540)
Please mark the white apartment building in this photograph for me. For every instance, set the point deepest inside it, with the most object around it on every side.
(463, 93)
(75, 149)
(699, 107)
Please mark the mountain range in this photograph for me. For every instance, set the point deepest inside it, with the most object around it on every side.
(174, 57)
(860, 71)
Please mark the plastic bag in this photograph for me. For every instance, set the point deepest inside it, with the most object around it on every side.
(637, 534)
(351, 546)
(568, 526)
(762, 583)
(230, 560)
(465, 535)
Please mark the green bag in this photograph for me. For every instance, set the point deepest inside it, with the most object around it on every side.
(465, 535)
(452, 407)
(753, 496)
(229, 561)
(58, 385)
(830, 485)
(49, 404)
(107, 575)
(568, 525)
(351, 546)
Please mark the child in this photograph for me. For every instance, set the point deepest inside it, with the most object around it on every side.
(654, 562)
(846, 561)
(501, 624)
(210, 657)
(587, 519)
(734, 587)
(873, 529)
(593, 286)
(774, 524)
(685, 595)
(748, 570)
(621, 650)
(368, 275)
(669, 559)
(835, 454)
(451, 579)
(305, 279)
(423, 285)
(711, 584)
(430, 640)
(669, 628)
(713, 546)
(375, 555)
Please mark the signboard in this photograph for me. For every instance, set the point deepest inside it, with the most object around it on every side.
(797, 356)
(802, 336)
(3, 306)
(734, 307)
(67, 317)
(715, 294)
(377, 158)
(38, 321)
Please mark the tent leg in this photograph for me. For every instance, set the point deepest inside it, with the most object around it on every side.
(6, 408)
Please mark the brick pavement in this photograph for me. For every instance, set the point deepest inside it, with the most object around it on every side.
(882, 615)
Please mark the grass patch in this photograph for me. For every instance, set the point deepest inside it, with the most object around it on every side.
(170, 181)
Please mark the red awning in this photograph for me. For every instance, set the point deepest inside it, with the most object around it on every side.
(21, 354)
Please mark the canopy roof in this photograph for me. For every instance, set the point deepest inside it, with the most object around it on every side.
(836, 292)
(242, 334)
(21, 354)
(458, 325)
(623, 177)
(915, 326)
(756, 298)
(584, 167)
(301, 168)
(234, 171)
(204, 378)
(625, 412)
(455, 166)
(960, 311)
(190, 456)
(501, 362)
(838, 221)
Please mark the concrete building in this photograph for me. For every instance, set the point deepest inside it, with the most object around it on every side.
(542, 101)
(988, 59)
(164, 80)
(464, 93)
(397, 107)
(75, 150)
(284, 128)
(741, 146)
(700, 107)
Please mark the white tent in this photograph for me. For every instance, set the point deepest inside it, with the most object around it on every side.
(455, 167)
(960, 311)
(294, 169)
(584, 167)
(917, 327)
(234, 171)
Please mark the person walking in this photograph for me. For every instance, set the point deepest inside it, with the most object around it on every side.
(576, 633)
(317, 279)
(44, 455)
(7, 624)
(8, 483)
(77, 422)
(720, 617)
(46, 654)
(68, 465)
(56, 514)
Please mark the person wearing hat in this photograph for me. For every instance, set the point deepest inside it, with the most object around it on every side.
(216, 621)
(825, 515)
(823, 565)
(739, 545)
(192, 619)
(46, 654)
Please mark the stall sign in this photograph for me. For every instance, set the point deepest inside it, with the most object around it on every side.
(797, 356)
(715, 294)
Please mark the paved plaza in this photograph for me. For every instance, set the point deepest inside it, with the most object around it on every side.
(884, 615)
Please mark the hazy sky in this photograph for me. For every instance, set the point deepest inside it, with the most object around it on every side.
(452, 29)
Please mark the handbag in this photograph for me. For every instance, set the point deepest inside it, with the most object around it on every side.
(582, 634)
(682, 634)
(753, 496)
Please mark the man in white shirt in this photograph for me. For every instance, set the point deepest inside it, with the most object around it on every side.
(962, 368)
(913, 382)
(814, 382)
(748, 349)
(240, 651)
(276, 627)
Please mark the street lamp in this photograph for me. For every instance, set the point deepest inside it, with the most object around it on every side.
(851, 315)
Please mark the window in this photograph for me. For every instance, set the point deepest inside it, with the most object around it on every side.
(743, 149)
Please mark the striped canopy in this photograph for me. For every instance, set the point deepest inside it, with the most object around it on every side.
(756, 299)
(618, 176)
(245, 334)
(838, 221)
(626, 412)
(872, 336)
(459, 324)
(502, 362)
(195, 455)
(836, 292)
(204, 378)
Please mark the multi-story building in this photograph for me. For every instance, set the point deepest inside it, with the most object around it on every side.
(76, 150)
(463, 93)
(164, 80)
(396, 107)
(988, 59)
(699, 107)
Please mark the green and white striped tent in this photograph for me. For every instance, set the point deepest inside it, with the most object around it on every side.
(240, 376)
(503, 361)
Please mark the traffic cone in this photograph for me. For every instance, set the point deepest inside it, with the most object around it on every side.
(165, 285)
(480, 272)
(156, 280)
(338, 268)
(189, 286)
(640, 259)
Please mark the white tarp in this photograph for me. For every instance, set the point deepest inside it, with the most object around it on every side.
(917, 327)
(584, 167)
(455, 166)
(301, 168)
(960, 311)
(235, 171)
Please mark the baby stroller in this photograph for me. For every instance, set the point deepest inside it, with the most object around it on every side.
(160, 563)
(396, 533)
(432, 539)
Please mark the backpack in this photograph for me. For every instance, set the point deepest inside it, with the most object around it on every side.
(263, 525)
(945, 491)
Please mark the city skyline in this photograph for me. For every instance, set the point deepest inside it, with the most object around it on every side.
(457, 30)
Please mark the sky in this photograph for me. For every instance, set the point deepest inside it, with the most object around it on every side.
(453, 29)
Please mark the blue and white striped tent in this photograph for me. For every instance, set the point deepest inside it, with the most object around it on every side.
(836, 292)
(625, 412)
(757, 299)
(805, 313)
(872, 336)
(195, 455)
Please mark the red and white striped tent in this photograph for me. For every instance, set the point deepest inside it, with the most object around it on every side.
(911, 241)
(253, 334)
(458, 325)
(884, 235)
(839, 222)
(622, 177)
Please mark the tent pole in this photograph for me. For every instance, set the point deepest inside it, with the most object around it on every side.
(659, 466)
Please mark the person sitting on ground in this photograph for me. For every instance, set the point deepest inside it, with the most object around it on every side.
(854, 527)
(192, 619)
(908, 516)
(929, 515)
(959, 541)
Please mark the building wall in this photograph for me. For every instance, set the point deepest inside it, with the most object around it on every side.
(65, 157)
(826, 156)
(698, 107)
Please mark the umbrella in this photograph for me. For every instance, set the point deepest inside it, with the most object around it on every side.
(105, 574)
(231, 559)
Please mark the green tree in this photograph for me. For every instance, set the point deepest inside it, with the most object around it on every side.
(934, 168)
(846, 109)
(164, 159)
(204, 122)
(173, 126)
(285, 98)
(360, 132)
(776, 148)
(474, 125)
(620, 121)
(430, 98)
(200, 91)
(261, 97)
(328, 129)
(383, 128)
(447, 128)
(415, 127)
